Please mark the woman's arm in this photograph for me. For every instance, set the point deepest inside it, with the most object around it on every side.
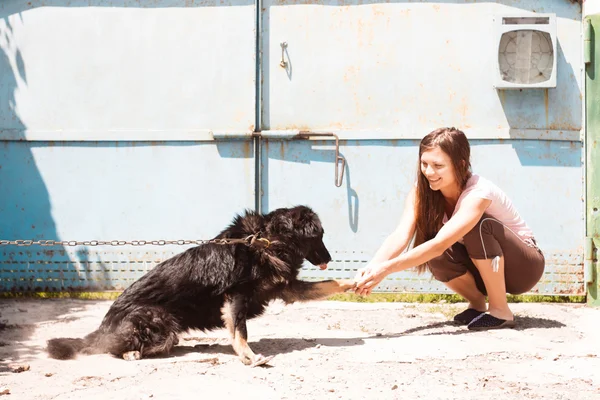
(466, 217)
(470, 212)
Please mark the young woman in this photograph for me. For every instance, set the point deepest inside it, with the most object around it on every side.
(467, 233)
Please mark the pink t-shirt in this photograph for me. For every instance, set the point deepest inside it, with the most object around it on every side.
(500, 208)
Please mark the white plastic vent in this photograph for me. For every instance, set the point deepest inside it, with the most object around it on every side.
(525, 52)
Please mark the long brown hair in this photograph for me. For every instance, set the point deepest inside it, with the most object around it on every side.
(429, 204)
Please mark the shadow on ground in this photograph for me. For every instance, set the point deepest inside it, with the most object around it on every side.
(451, 328)
(268, 346)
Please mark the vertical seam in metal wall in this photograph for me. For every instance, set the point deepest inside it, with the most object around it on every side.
(591, 127)
(257, 107)
(583, 136)
(586, 165)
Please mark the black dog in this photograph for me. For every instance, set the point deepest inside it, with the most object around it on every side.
(213, 286)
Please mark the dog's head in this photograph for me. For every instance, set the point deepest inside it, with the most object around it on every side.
(302, 227)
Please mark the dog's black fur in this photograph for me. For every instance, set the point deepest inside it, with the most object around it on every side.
(213, 286)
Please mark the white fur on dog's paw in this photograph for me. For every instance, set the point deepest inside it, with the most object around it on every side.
(261, 360)
(132, 356)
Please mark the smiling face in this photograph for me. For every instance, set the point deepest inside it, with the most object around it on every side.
(438, 168)
(443, 172)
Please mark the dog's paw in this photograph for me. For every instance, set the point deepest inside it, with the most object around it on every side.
(259, 359)
(132, 356)
(246, 360)
(346, 285)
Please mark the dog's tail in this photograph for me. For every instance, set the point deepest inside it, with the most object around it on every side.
(68, 348)
(65, 348)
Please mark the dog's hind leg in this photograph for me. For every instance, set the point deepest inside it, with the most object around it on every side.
(306, 291)
(144, 332)
(234, 313)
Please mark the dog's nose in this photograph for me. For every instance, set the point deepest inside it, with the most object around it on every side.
(323, 266)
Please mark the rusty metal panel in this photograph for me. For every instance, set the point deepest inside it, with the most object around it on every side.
(113, 191)
(401, 69)
(381, 76)
(543, 178)
(108, 117)
(127, 70)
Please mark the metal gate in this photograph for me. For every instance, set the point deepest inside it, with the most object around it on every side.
(381, 75)
(109, 117)
(146, 122)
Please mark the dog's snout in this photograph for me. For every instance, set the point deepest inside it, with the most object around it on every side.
(319, 256)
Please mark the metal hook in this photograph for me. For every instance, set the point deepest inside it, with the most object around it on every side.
(283, 63)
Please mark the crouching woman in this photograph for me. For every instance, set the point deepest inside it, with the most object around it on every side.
(466, 231)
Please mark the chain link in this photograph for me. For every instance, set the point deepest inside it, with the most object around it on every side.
(46, 243)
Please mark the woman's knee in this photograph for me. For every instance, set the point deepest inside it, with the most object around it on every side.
(444, 268)
(481, 242)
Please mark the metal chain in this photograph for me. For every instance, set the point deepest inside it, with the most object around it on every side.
(252, 239)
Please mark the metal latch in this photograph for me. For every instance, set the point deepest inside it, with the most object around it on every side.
(339, 160)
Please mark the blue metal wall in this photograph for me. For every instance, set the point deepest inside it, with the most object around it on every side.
(134, 121)
(379, 173)
(114, 190)
(383, 74)
(108, 117)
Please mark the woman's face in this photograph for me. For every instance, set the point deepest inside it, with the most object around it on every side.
(438, 169)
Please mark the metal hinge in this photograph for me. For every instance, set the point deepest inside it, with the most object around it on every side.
(589, 253)
(587, 41)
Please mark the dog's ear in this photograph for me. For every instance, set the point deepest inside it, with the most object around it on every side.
(300, 220)
(305, 220)
(280, 223)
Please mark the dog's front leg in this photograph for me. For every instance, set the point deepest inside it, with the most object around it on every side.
(306, 291)
(234, 314)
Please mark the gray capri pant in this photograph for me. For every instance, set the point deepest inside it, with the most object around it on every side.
(523, 260)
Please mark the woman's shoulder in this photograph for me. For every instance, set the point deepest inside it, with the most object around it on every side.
(480, 187)
(479, 181)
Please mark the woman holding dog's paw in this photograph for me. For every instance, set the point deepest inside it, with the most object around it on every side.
(467, 233)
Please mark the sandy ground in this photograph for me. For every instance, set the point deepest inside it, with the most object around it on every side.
(323, 350)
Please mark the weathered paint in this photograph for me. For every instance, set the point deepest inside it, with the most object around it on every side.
(96, 97)
(375, 72)
(358, 216)
(139, 126)
(133, 70)
(372, 70)
(592, 156)
(116, 190)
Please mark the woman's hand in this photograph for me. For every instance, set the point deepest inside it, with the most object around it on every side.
(369, 277)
